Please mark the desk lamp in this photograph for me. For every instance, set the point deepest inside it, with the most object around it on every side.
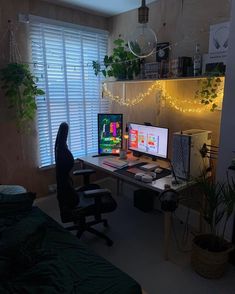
(126, 137)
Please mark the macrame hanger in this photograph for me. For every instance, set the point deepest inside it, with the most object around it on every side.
(14, 53)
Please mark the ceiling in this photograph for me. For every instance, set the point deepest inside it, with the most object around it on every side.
(102, 7)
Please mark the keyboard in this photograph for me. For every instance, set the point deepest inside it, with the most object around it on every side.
(115, 162)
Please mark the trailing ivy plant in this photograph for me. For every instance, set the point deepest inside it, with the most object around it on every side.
(121, 64)
(208, 91)
(20, 88)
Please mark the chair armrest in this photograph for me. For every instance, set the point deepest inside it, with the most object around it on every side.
(95, 193)
(83, 172)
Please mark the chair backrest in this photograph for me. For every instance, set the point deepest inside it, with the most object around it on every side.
(66, 194)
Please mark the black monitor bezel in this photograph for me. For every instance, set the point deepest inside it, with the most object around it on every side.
(147, 154)
(99, 114)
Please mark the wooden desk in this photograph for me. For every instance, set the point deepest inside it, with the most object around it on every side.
(156, 185)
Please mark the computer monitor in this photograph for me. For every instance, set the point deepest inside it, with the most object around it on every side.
(109, 133)
(148, 140)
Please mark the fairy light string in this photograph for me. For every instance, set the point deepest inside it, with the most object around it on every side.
(183, 105)
(127, 101)
(74, 62)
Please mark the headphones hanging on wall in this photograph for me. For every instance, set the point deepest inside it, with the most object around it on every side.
(220, 38)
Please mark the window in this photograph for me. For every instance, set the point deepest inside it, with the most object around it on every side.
(62, 61)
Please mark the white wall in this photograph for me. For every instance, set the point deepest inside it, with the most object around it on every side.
(227, 129)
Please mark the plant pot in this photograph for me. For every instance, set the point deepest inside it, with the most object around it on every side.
(209, 264)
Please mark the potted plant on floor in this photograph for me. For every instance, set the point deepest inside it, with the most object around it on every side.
(122, 64)
(210, 251)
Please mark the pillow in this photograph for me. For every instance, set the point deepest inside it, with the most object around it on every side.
(12, 189)
(11, 204)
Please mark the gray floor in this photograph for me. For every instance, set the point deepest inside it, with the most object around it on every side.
(138, 248)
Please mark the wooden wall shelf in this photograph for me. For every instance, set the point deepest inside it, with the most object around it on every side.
(166, 79)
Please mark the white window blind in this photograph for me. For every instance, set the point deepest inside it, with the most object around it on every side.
(62, 58)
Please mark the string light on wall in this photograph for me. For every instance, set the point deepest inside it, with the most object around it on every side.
(127, 101)
(185, 106)
(143, 40)
(178, 104)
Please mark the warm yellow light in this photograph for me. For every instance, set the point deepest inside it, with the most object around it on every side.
(185, 105)
(131, 102)
(126, 136)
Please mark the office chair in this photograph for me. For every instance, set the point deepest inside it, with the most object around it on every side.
(89, 200)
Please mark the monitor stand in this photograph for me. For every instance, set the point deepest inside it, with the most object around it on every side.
(136, 154)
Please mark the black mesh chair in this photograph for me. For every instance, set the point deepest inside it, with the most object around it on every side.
(78, 204)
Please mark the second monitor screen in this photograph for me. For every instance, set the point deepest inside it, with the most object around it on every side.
(110, 133)
(148, 139)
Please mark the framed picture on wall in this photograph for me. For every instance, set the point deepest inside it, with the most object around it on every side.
(162, 51)
(213, 65)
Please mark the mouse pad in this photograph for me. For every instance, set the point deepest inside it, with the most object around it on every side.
(125, 171)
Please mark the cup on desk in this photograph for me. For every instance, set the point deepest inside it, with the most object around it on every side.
(122, 154)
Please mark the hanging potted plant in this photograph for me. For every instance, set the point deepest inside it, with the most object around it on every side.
(122, 64)
(20, 88)
(210, 251)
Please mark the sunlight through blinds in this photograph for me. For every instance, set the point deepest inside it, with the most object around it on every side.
(62, 62)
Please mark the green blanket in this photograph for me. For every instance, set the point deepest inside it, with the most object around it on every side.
(38, 256)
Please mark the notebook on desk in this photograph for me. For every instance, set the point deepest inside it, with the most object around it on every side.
(115, 162)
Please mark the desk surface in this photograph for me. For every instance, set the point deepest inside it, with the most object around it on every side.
(156, 185)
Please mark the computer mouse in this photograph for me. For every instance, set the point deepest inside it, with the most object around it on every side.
(158, 170)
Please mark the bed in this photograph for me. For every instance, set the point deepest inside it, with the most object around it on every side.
(37, 255)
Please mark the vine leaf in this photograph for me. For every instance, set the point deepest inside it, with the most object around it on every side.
(19, 86)
(122, 64)
(208, 91)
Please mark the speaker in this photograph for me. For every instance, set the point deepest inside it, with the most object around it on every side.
(143, 199)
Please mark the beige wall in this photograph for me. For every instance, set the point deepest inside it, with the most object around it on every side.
(19, 152)
(184, 28)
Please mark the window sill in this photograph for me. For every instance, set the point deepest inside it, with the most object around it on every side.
(47, 167)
